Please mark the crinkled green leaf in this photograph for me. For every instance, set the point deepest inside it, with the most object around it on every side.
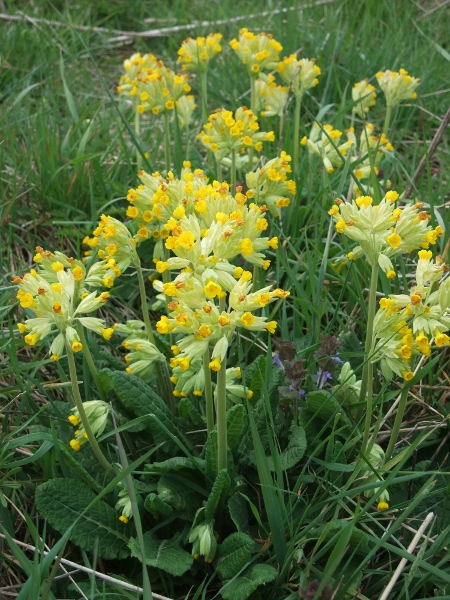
(211, 455)
(294, 452)
(175, 491)
(236, 425)
(238, 511)
(156, 506)
(174, 464)
(188, 410)
(234, 553)
(61, 501)
(166, 555)
(325, 406)
(218, 493)
(241, 587)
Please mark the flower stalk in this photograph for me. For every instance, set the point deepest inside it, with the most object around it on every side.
(84, 419)
(167, 141)
(397, 423)
(208, 393)
(90, 362)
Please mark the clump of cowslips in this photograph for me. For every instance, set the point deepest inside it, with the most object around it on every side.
(364, 97)
(97, 413)
(300, 74)
(270, 186)
(397, 86)
(195, 54)
(382, 230)
(406, 324)
(226, 133)
(57, 295)
(319, 144)
(257, 52)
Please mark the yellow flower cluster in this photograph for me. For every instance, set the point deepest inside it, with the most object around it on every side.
(136, 67)
(270, 98)
(364, 97)
(185, 109)
(97, 414)
(299, 74)
(55, 292)
(257, 52)
(406, 323)
(159, 89)
(397, 86)
(225, 132)
(383, 231)
(194, 55)
(322, 141)
(269, 186)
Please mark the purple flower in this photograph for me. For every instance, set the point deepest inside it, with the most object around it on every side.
(336, 360)
(322, 377)
(276, 361)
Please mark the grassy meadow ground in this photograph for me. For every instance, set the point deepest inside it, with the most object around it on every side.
(67, 156)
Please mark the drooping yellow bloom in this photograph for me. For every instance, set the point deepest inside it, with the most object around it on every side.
(257, 52)
(397, 86)
(195, 54)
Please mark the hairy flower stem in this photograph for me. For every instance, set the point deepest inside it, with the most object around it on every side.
(221, 409)
(204, 97)
(208, 393)
(298, 105)
(233, 171)
(79, 403)
(137, 129)
(397, 423)
(387, 120)
(90, 362)
(367, 376)
(167, 141)
(164, 382)
(253, 109)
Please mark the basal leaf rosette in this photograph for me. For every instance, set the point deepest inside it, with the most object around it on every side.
(225, 133)
(195, 54)
(57, 296)
(270, 186)
(406, 324)
(258, 52)
(300, 74)
(383, 231)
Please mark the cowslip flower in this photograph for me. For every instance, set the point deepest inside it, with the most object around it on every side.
(135, 67)
(376, 459)
(159, 89)
(364, 97)
(115, 246)
(383, 231)
(142, 356)
(406, 323)
(123, 504)
(270, 98)
(195, 54)
(185, 110)
(58, 299)
(300, 74)
(257, 52)
(319, 144)
(202, 537)
(97, 414)
(225, 133)
(397, 86)
(270, 185)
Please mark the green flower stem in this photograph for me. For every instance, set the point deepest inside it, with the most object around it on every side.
(163, 375)
(137, 129)
(208, 393)
(204, 97)
(387, 120)
(367, 376)
(233, 171)
(219, 170)
(298, 105)
(221, 409)
(253, 109)
(90, 362)
(167, 141)
(79, 403)
(397, 423)
(188, 141)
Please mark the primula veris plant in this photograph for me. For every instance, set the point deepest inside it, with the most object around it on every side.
(256, 390)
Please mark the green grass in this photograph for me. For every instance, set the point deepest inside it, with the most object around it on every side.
(67, 156)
